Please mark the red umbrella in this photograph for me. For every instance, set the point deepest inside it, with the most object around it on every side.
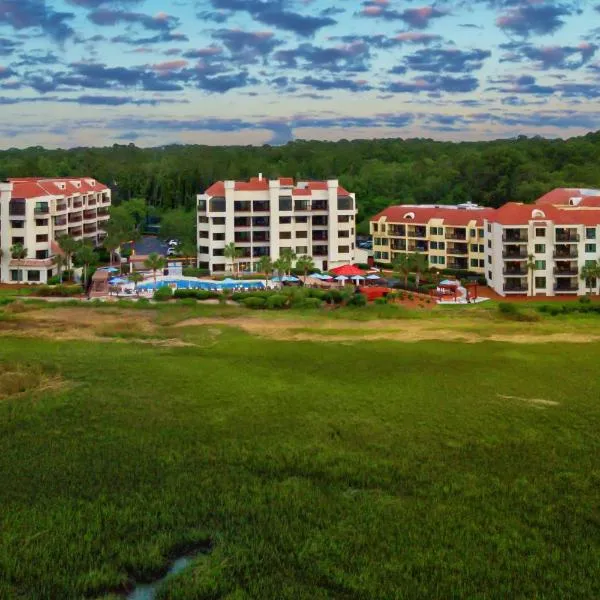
(347, 271)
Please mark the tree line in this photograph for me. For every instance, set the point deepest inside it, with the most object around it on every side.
(381, 172)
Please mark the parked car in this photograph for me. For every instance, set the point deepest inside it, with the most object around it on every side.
(172, 243)
(172, 251)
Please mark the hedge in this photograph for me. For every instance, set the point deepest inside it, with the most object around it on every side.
(163, 293)
(196, 294)
(63, 291)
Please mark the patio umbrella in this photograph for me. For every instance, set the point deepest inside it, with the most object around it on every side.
(117, 281)
(373, 277)
(289, 278)
(316, 276)
(109, 269)
(356, 277)
(326, 277)
(341, 278)
(347, 270)
(449, 282)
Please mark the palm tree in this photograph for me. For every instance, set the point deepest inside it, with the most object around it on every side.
(111, 243)
(419, 265)
(280, 265)
(231, 252)
(87, 258)
(530, 270)
(136, 278)
(590, 272)
(305, 264)
(154, 262)
(60, 261)
(402, 266)
(18, 252)
(265, 265)
(68, 245)
(288, 256)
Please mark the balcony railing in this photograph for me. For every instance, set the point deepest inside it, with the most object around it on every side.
(320, 205)
(60, 222)
(396, 246)
(561, 254)
(397, 231)
(317, 237)
(91, 202)
(570, 272)
(517, 289)
(61, 207)
(88, 216)
(566, 288)
(458, 249)
(75, 218)
(515, 238)
(418, 233)
(566, 237)
(261, 237)
(77, 204)
(515, 272)
(452, 235)
(515, 254)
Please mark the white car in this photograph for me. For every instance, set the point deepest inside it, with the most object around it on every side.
(172, 251)
(173, 243)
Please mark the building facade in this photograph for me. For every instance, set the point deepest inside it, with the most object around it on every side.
(451, 237)
(522, 249)
(35, 212)
(262, 217)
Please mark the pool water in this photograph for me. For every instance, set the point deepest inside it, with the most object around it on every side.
(193, 283)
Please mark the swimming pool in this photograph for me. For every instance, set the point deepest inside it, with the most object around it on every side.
(193, 283)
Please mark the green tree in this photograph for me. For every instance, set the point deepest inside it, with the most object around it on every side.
(60, 261)
(419, 265)
(136, 278)
(530, 272)
(111, 243)
(305, 264)
(179, 224)
(154, 262)
(590, 273)
(232, 253)
(280, 265)
(68, 245)
(19, 253)
(86, 257)
(265, 265)
(402, 265)
(288, 256)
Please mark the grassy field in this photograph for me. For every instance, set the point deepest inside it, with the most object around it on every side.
(315, 468)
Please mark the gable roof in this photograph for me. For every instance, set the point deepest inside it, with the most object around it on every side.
(450, 215)
(562, 196)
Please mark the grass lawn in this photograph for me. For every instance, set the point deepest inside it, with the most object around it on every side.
(351, 470)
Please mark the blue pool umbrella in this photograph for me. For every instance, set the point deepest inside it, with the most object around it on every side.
(316, 275)
(326, 277)
(276, 279)
(373, 277)
(289, 278)
(117, 281)
(109, 269)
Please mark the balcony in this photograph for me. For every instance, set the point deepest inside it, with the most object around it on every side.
(75, 232)
(515, 286)
(242, 237)
(41, 210)
(240, 206)
(515, 236)
(417, 232)
(320, 250)
(91, 202)
(565, 253)
(514, 271)
(87, 229)
(60, 221)
(566, 286)
(460, 249)
(320, 222)
(456, 233)
(77, 204)
(566, 236)
(89, 215)
(242, 222)
(16, 208)
(261, 222)
(418, 247)
(259, 251)
(320, 205)
(515, 253)
(398, 245)
(320, 236)
(75, 218)
(459, 264)
(261, 236)
(61, 207)
(397, 231)
(261, 206)
(566, 270)
(301, 205)
(105, 199)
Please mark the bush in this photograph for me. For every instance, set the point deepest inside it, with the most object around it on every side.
(195, 294)
(163, 293)
(194, 272)
(255, 303)
(143, 301)
(585, 300)
(357, 300)
(380, 301)
(506, 308)
(311, 303)
(56, 280)
(63, 291)
(276, 301)
(333, 297)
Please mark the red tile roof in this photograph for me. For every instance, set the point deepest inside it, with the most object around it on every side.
(561, 196)
(287, 181)
(258, 185)
(422, 215)
(34, 187)
(514, 213)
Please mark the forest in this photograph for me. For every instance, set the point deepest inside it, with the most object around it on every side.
(381, 172)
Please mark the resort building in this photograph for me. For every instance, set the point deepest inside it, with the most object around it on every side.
(262, 217)
(540, 249)
(35, 212)
(451, 237)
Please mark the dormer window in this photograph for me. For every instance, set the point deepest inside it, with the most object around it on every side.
(410, 215)
(537, 214)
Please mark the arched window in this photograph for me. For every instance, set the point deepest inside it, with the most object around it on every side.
(536, 213)
(410, 215)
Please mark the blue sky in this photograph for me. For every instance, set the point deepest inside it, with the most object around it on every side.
(98, 72)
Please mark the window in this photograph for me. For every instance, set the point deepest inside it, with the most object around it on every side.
(590, 247)
(540, 265)
(41, 238)
(217, 205)
(377, 241)
(219, 237)
(343, 218)
(203, 249)
(14, 275)
(301, 234)
(202, 205)
(489, 243)
(18, 240)
(218, 267)
(472, 232)
(474, 247)
(489, 228)
(202, 219)
(285, 220)
(489, 274)
(346, 249)
(242, 206)
(345, 203)
(481, 248)
(218, 220)
(540, 282)
(540, 232)
(345, 233)
(437, 230)
(203, 234)
(41, 222)
(300, 250)
(481, 263)
(480, 232)
(375, 227)
(218, 251)
(385, 256)
(33, 276)
(384, 242)
(285, 235)
(441, 245)
(489, 259)
(302, 220)
(41, 208)
(42, 254)
(285, 203)
(590, 233)
(433, 245)
(441, 260)
(474, 262)
(433, 260)
(540, 248)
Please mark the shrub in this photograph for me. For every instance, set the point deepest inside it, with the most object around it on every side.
(63, 291)
(314, 293)
(194, 272)
(276, 301)
(358, 300)
(506, 308)
(410, 296)
(311, 303)
(380, 301)
(333, 297)
(54, 280)
(255, 303)
(163, 293)
(585, 300)
(143, 301)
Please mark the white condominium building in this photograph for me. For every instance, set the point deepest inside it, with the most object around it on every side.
(262, 217)
(539, 249)
(35, 212)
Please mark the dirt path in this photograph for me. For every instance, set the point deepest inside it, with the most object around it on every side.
(401, 331)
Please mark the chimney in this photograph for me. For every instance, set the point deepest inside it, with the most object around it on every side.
(260, 176)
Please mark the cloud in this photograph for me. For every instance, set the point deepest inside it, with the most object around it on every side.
(452, 60)
(247, 46)
(532, 17)
(91, 4)
(26, 14)
(163, 37)
(335, 84)
(351, 58)
(8, 46)
(553, 57)
(419, 18)
(109, 17)
(434, 84)
(523, 84)
(6, 72)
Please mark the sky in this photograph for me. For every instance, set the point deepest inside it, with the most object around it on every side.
(157, 72)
